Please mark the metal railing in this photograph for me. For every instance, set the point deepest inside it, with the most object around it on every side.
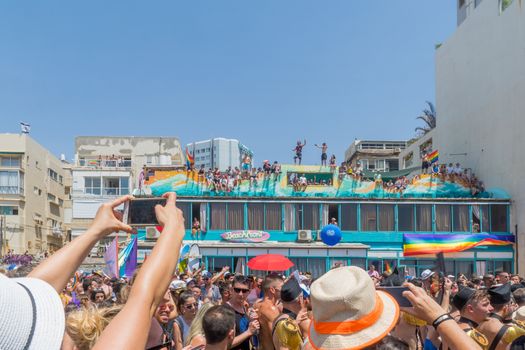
(104, 163)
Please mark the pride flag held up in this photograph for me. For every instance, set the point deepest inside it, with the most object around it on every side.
(127, 259)
(433, 157)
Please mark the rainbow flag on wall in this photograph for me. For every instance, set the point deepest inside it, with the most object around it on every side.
(127, 259)
(190, 160)
(433, 157)
(419, 244)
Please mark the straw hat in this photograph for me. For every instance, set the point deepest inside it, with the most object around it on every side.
(348, 313)
(31, 314)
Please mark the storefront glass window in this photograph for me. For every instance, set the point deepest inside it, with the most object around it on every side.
(317, 266)
(311, 216)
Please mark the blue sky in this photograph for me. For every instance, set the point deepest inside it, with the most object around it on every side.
(266, 72)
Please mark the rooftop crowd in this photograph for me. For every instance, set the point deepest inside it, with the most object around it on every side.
(56, 306)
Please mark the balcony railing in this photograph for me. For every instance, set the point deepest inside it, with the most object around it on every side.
(97, 191)
(104, 163)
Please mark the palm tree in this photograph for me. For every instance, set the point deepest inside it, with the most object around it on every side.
(429, 117)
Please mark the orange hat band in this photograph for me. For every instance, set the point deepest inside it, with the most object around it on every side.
(351, 326)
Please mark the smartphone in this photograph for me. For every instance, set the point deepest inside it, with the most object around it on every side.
(397, 293)
(141, 211)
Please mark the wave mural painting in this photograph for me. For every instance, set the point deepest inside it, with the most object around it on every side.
(327, 184)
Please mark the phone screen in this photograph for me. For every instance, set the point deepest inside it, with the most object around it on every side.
(142, 211)
(397, 293)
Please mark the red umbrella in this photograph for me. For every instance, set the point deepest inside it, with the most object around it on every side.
(270, 262)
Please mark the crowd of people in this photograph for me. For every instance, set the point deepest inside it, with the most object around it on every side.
(56, 306)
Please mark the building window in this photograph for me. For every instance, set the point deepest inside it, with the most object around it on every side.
(92, 185)
(255, 216)
(8, 210)
(235, 216)
(11, 182)
(348, 219)
(405, 217)
(443, 218)
(51, 197)
(480, 218)
(498, 218)
(461, 218)
(368, 217)
(386, 217)
(504, 4)
(218, 216)
(186, 213)
(116, 186)
(424, 217)
(274, 217)
(52, 174)
(10, 162)
(307, 216)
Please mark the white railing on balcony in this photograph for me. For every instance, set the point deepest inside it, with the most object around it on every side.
(104, 163)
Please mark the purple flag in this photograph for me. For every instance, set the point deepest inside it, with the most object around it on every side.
(131, 263)
(110, 257)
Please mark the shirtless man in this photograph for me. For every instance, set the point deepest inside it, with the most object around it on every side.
(474, 308)
(298, 152)
(324, 156)
(499, 332)
(268, 310)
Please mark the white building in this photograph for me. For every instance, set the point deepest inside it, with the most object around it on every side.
(218, 153)
(108, 167)
(375, 155)
(480, 89)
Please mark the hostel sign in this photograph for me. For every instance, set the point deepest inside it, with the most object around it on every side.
(245, 236)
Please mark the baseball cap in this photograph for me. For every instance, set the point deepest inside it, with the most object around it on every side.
(426, 274)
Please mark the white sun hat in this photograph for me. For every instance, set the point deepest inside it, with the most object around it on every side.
(348, 313)
(31, 315)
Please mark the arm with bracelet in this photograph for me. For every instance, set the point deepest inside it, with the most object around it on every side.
(429, 310)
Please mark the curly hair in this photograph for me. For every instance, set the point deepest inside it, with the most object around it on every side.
(85, 326)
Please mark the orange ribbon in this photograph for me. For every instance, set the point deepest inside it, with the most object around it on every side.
(351, 326)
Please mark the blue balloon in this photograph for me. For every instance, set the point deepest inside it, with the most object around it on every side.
(331, 235)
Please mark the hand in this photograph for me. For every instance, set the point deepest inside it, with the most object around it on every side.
(226, 268)
(448, 285)
(302, 316)
(108, 220)
(254, 327)
(169, 213)
(424, 307)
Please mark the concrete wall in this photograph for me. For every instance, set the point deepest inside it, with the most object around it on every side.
(480, 90)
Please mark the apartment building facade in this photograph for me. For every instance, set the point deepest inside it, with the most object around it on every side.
(32, 195)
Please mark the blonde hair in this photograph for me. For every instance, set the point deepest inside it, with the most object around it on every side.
(196, 325)
(86, 325)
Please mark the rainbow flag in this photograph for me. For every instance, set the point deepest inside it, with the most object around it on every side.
(419, 244)
(433, 157)
(190, 160)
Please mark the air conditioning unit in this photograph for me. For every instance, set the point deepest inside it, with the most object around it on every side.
(152, 233)
(304, 236)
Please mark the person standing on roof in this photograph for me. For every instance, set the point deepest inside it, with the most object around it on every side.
(298, 152)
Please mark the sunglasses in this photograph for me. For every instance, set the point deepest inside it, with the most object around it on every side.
(191, 306)
(241, 290)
